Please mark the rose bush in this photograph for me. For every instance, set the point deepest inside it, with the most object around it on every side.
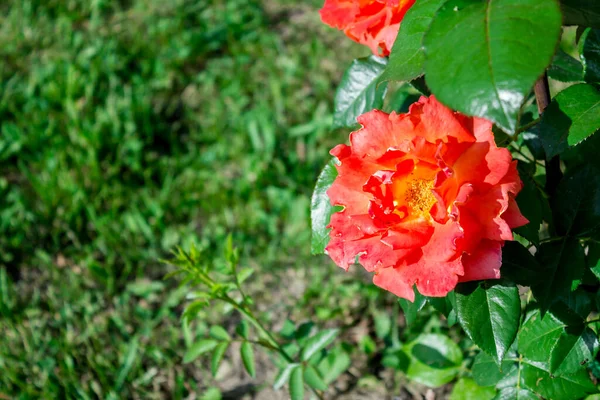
(374, 23)
(428, 198)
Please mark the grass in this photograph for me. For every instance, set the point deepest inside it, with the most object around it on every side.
(129, 127)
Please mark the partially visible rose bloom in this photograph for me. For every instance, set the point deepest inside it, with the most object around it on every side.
(374, 23)
(428, 198)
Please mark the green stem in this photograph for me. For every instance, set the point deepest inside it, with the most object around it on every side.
(526, 127)
(244, 310)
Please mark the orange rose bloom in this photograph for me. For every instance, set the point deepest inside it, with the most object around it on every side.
(374, 23)
(428, 198)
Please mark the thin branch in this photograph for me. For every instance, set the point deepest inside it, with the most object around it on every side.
(526, 127)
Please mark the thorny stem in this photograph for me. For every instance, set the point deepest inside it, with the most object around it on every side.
(553, 173)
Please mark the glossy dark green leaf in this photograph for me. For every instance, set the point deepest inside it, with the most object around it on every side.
(562, 264)
(560, 348)
(571, 118)
(515, 393)
(575, 307)
(519, 265)
(411, 309)
(539, 335)
(512, 385)
(247, 353)
(566, 387)
(297, 383)
(283, 376)
(486, 372)
(217, 357)
(576, 207)
(530, 201)
(475, 52)
(318, 342)
(581, 12)
(434, 359)
(590, 55)
(359, 91)
(467, 389)
(565, 68)
(335, 364)
(407, 57)
(572, 351)
(489, 313)
(321, 209)
(199, 348)
(313, 379)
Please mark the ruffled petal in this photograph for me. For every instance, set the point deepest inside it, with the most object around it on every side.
(484, 263)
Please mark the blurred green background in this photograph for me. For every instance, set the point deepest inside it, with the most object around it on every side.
(130, 127)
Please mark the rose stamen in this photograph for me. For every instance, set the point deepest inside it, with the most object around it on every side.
(419, 196)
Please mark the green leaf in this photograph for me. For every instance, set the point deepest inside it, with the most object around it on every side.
(475, 54)
(565, 68)
(411, 309)
(217, 332)
(581, 12)
(573, 351)
(244, 274)
(515, 393)
(467, 389)
(217, 357)
(572, 117)
(445, 305)
(593, 258)
(318, 342)
(486, 372)
(519, 265)
(575, 307)
(539, 335)
(566, 387)
(489, 313)
(283, 376)
(243, 329)
(512, 385)
(407, 57)
(531, 203)
(247, 354)
(321, 209)
(297, 384)
(590, 55)
(562, 265)
(383, 324)
(335, 364)
(199, 348)
(313, 379)
(359, 91)
(576, 208)
(212, 393)
(557, 344)
(434, 359)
